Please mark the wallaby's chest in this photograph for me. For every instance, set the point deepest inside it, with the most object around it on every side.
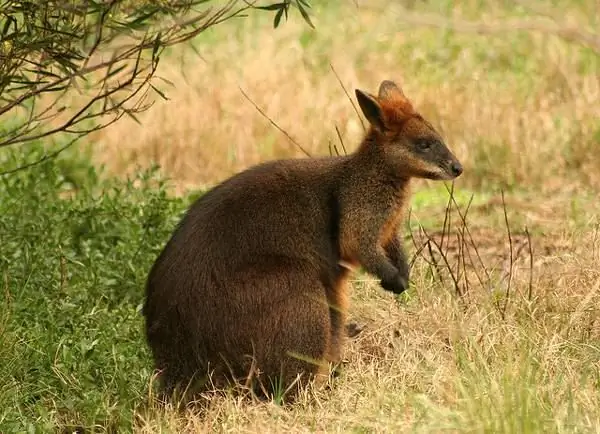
(391, 226)
(394, 216)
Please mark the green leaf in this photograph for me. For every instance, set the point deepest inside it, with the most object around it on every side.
(277, 18)
(274, 6)
(304, 13)
(158, 91)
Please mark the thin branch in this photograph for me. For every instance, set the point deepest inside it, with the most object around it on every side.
(285, 133)
(530, 288)
(511, 259)
(348, 96)
(337, 130)
(463, 218)
(44, 158)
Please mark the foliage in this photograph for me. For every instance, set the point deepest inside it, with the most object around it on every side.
(107, 50)
(73, 260)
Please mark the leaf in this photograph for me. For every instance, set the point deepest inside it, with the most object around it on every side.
(277, 18)
(157, 44)
(158, 91)
(132, 116)
(9, 20)
(305, 15)
(273, 7)
(112, 72)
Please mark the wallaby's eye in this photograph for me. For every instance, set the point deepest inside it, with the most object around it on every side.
(423, 144)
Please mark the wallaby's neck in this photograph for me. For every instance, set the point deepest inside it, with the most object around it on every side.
(370, 161)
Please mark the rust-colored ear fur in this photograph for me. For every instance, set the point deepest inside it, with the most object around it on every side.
(388, 90)
(388, 109)
(371, 109)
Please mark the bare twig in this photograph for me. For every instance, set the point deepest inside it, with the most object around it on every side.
(511, 259)
(272, 122)
(431, 241)
(530, 287)
(44, 158)
(333, 148)
(348, 96)
(337, 130)
(446, 223)
(463, 218)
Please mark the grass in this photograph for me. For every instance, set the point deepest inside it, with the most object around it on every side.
(520, 111)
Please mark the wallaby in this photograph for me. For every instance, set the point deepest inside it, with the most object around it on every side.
(252, 286)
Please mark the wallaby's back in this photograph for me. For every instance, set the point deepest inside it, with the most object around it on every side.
(251, 284)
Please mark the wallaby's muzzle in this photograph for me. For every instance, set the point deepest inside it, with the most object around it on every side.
(451, 168)
(456, 168)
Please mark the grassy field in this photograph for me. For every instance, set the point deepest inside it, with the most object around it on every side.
(500, 331)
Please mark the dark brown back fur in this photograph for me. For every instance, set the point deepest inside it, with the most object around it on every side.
(253, 283)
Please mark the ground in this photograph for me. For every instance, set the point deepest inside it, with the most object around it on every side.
(500, 330)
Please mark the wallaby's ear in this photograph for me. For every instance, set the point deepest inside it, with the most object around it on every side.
(371, 109)
(390, 90)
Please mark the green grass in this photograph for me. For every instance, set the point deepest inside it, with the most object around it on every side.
(73, 265)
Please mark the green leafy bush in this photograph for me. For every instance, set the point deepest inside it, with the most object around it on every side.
(74, 255)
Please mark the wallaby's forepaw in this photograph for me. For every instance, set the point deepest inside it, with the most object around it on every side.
(398, 284)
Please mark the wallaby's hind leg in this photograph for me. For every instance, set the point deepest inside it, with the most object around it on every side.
(337, 297)
(289, 327)
(300, 345)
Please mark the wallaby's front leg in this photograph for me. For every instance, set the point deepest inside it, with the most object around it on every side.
(376, 262)
(361, 244)
(395, 251)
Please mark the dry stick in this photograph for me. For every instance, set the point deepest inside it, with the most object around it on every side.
(434, 263)
(446, 227)
(511, 263)
(530, 288)
(348, 96)
(463, 218)
(458, 261)
(332, 147)
(463, 246)
(285, 133)
(449, 268)
(446, 211)
(420, 249)
(414, 242)
(337, 130)
(444, 258)
(465, 227)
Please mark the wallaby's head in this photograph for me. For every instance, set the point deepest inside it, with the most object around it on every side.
(409, 144)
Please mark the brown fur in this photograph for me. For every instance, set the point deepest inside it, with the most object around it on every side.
(253, 283)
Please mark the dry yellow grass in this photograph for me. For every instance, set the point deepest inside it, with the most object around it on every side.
(437, 364)
(504, 102)
(520, 110)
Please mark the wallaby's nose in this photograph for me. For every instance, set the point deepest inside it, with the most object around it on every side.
(456, 168)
